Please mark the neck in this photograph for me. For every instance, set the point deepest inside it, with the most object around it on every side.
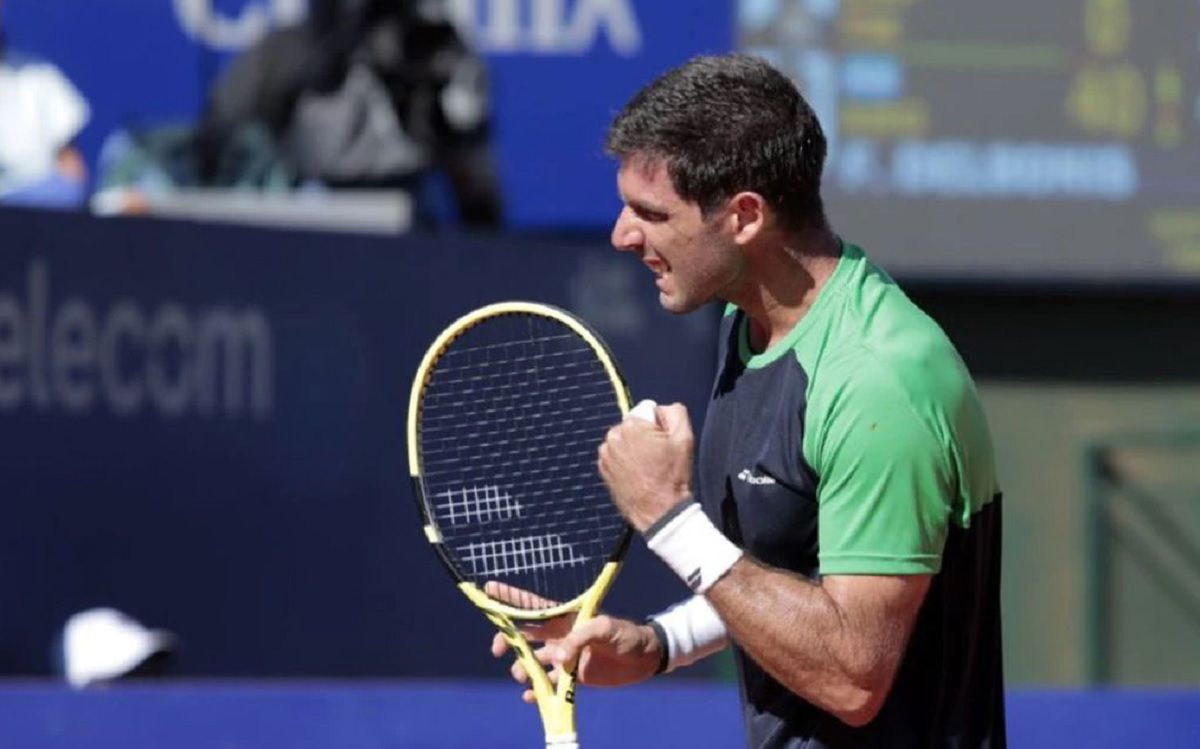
(789, 273)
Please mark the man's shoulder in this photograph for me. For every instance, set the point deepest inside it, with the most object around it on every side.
(899, 361)
(884, 331)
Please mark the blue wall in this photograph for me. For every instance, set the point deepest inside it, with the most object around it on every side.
(441, 715)
(204, 427)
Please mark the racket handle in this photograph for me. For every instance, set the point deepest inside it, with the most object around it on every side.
(563, 742)
(644, 410)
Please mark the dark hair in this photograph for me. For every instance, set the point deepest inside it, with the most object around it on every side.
(724, 124)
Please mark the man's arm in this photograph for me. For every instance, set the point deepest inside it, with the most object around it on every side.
(837, 644)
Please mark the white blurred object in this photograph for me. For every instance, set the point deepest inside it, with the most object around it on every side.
(42, 113)
(644, 410)
(360, 211)
(104, 644)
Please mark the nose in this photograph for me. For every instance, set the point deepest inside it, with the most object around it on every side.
(626, 234)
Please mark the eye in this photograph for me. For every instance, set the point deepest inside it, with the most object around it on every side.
(647, 214)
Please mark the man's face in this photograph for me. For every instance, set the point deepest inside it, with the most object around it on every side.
(692, 260)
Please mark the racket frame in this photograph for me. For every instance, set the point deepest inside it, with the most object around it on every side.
(556, 702)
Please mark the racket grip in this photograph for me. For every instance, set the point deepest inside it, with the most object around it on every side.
(562, 742)
(644, 410)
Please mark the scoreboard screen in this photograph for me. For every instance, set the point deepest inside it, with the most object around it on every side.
(982, 138)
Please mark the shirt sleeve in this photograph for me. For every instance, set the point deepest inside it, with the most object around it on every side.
(883, 483)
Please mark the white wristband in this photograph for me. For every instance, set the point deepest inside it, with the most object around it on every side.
(691, 630)
(692, 546)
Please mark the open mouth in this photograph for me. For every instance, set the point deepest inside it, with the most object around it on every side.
(657, 267)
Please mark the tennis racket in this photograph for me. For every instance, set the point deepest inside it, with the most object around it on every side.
(507, 410)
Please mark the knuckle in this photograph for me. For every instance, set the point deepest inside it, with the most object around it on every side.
(604, 626)
(608, 628)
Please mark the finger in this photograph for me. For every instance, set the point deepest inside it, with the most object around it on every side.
(536, 631)
(514, 596)
(674, 419)
(518, 672)
(529, 697)
(565, 653)
(499, 646)
(545, 655)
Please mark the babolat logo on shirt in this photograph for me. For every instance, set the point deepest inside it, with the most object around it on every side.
(748, 476)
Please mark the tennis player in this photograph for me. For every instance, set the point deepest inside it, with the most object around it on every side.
(842, 532)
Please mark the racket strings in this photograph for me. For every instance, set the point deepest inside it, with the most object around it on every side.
(511, 418)
(455, 434)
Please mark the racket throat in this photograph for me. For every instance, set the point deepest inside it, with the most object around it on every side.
(557, 708)
(555, 702)
(558, 722)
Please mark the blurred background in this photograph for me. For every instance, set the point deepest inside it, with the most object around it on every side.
(229, 229)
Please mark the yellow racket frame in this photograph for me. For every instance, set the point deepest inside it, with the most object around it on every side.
(556, 703)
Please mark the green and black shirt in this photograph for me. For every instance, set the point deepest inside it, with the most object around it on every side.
(857, 445)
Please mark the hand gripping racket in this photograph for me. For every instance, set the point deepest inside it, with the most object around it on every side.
(507, 411)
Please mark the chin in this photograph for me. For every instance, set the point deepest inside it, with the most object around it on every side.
(675, 304)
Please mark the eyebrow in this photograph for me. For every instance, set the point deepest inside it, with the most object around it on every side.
(644, 207)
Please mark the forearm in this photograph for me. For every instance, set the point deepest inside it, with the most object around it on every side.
(792, 628)
(796, 631)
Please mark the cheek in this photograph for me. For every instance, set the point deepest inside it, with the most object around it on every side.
(709, 262)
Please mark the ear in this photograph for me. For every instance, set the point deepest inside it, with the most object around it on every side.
(747, 216)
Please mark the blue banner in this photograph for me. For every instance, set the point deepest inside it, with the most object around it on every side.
(559, 69)
(204, 426)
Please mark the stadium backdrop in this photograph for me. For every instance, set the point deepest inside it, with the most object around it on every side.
(572, 62)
